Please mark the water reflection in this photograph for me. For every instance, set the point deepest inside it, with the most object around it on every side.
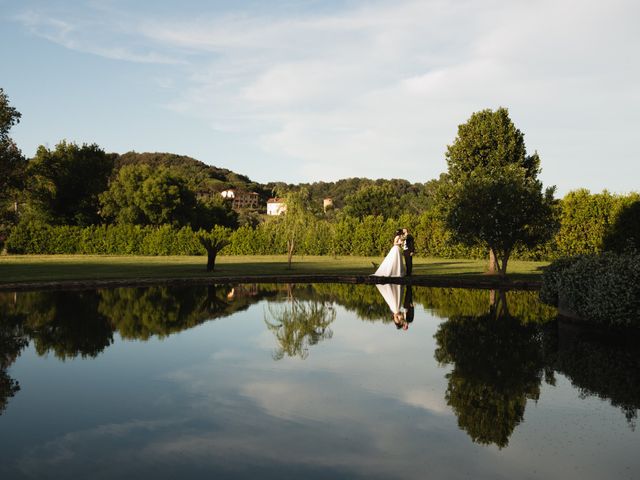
(599, 364)
(498, 364)
(399, 298)
(297, 325)
(499, 346)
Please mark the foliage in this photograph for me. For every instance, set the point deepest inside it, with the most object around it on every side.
(552, 276)
(64, 183)
(12, 168)
(213, 241)
(500, 212)
(602, 289)
(624, 233)
(489, 141)
(413, 198)
(205, 180)
(296, 221)
(587, 219)
(372, 200)
(31, 237)
(491, 196)
(140, 195)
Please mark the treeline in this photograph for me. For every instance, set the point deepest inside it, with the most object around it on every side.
(589, 224)
(80, 199)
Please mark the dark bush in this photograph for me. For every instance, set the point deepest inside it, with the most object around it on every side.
(602, 289)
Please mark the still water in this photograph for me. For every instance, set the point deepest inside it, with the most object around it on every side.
(310, 381)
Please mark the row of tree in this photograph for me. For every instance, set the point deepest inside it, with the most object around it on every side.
(490, 196)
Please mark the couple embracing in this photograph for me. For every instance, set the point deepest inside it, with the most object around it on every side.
(393, 265)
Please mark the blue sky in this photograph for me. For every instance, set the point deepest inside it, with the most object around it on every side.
(302, 91)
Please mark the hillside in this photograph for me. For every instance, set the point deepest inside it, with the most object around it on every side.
(205, 179)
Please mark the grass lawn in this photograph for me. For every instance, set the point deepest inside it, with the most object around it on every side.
(35, 268)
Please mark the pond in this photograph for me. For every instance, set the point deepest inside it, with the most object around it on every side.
(310, 381)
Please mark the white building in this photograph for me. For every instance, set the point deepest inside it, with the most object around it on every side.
(276, 206)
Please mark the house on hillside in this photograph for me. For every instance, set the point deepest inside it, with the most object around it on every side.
(276, 206)
(327, 204)
(241, 199)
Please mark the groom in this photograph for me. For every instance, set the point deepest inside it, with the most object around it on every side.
(408, 249)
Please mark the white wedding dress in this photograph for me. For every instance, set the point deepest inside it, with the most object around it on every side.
(392, 294)
(392, 265)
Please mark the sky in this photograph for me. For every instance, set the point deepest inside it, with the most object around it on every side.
(311, 90)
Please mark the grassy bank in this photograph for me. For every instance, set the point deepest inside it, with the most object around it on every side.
(47, 268)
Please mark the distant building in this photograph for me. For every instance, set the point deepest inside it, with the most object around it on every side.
(241, 199)
(327, 204)
(276, 206)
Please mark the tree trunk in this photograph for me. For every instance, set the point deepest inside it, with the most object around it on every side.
(498, 303)
(290, 247)
(493, 264)
(502, 266)
(212, 253)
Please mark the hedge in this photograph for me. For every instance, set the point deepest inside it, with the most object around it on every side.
(602, 289)
(589, 222)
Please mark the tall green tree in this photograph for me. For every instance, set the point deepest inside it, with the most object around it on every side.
(298, 218)
(142, 195)
(64, 183)
(376, 200)
(491, 195)
(12, 165)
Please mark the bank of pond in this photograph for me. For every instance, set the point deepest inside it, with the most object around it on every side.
(485, 356)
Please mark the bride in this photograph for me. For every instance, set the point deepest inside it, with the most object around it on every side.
(392, 265)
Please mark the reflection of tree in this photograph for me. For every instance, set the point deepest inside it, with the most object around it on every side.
(600, 364)
(364, 300)
(140, 313)
(12, 341)
(497, 367)
(298, 325)
(69, 324)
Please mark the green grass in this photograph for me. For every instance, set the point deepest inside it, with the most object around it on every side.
(41, 268)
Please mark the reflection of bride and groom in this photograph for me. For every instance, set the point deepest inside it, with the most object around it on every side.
(400, 302)
(392, 265)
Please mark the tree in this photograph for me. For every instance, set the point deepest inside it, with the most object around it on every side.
(297, 219)
(624, 234)
(12, 165)
(141, 195)
(373, 200)
(64, 183)
(213, 241)
(490, 195)
(500, 211)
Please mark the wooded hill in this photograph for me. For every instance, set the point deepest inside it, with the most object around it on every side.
(201, 177)
(207, 179)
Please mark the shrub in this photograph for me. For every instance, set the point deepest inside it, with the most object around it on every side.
(551, 279)
(602, 289)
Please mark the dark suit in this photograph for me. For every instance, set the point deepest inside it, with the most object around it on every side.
(407, 303)
(408, 250)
